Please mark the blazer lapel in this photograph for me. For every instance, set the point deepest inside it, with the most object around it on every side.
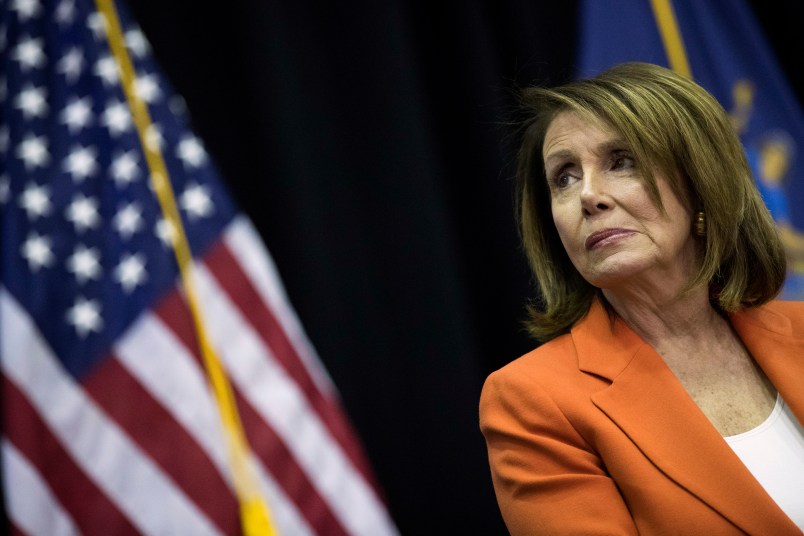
(650, 405)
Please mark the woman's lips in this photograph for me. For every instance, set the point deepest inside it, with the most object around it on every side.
(600, 238)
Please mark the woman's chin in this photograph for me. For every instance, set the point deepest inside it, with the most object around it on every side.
(615, 272)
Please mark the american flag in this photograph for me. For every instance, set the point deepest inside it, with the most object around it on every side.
(109, 425)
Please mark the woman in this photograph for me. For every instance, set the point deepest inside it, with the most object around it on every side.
(669, 396)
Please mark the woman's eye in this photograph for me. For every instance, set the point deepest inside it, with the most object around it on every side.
(562, 180)
(623, 162)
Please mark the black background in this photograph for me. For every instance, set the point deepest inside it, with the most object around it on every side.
(368, 143)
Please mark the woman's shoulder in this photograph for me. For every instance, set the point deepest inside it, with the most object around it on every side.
(780, 316)
(545, 385)
(550, 364)
(560, 348)
(792, 309)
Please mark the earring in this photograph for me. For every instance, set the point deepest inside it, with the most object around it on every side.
(700, 224)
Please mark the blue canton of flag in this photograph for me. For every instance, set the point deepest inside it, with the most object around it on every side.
(727, 55)
(109, 425)
(84, 241)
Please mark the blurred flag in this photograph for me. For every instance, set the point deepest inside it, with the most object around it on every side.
(109, 425)
(721, 44)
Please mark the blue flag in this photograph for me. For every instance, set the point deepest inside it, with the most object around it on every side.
(721, 45)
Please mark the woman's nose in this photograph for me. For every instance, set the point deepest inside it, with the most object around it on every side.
(594, 197)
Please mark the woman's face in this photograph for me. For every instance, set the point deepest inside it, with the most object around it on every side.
(612, 231)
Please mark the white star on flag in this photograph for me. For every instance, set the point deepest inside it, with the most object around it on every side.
(81, 163)
(65, 12)
(36, 250)
(106, 69)
(117, 118)
(177, 105)
(128, 220)
(191, 152)
(130, 272)
(5, 189)
(165, 231)
(4, 138)
(71, 64)
(84, 263)
(27, 9)
(84, 315)
(97, 23)
(83, 213)
(147, 88)
(29, 54)
(196, 202)
(77, 114)
(35, 200)
(137, 43)
(33, 151)
(153, 137)
(125, 168)
(32, 101)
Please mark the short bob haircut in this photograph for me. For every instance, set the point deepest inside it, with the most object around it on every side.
(673, 127)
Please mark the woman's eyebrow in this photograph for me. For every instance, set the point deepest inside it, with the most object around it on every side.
(611, 145)
(559, 155)
(606, 147)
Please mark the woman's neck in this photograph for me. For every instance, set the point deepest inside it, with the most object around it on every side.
(661, 316)
(703, 352)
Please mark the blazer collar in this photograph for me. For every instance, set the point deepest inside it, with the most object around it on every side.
(652, 407)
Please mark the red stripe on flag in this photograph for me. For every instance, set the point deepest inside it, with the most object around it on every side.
(241, 291)
(270, 448)
(92, 511)
(164, 440)
(14, 530)
(265, 443)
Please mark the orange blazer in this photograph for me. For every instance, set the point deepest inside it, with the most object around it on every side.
(592, 433)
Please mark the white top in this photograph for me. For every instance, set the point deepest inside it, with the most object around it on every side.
(774, 453)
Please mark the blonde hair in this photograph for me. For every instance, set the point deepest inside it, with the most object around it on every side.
(673, 127)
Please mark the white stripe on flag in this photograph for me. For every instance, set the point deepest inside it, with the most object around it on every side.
(152, 354)
(246, 245)
(279, 401)
(102, 450)
(31, 506)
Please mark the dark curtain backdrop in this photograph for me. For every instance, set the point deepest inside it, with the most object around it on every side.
(367, 142)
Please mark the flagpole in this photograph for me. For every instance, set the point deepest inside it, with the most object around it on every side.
(254, 513)
(671, 36)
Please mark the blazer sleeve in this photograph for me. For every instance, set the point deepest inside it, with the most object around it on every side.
(547, 478)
